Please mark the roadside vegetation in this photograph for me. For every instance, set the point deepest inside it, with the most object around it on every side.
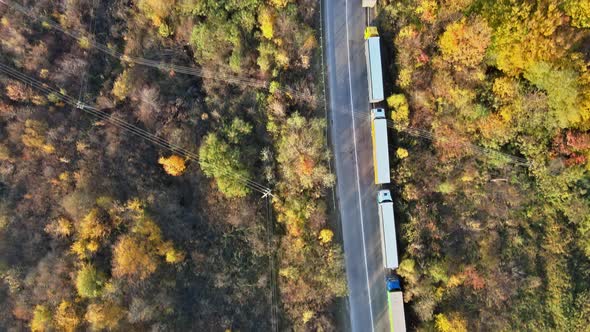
(491, 243)
(100, 229)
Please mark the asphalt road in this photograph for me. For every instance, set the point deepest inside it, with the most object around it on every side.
(345, 21)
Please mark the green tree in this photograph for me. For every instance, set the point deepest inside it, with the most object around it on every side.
(236, 131)
(89, 281)
(224, 163)
(302, 154)
(563, 98)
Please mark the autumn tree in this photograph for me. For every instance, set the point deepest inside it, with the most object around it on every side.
(173, 165)
(66, 318)
(465, 42)
(266, 19)
(35, 136)
(60, 227)
(91, 230)
(579, 11)
(526, 34)
(400, 110)
(401, 153)
(156, 10)
(103, 316)
(563, 98)
(42, 318)
(326, 236)
(122, 86)
(132, 258)
(302, 154)
(453, 323)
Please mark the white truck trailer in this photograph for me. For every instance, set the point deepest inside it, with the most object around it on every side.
(380, 146)
(374, 73)
(369, 3)
(388, 237)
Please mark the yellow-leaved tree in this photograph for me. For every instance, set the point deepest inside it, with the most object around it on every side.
(464, 43)
(66, 317)
(326, 236)
(400, 110)
(452, 323)
(279, 3)
(173, 165)
(579, 11)
(103, 316)
(266, 19)
(401, 153)
(93, 228)
(133, 258)
(122, 85)
(41, 319)
(156, 10)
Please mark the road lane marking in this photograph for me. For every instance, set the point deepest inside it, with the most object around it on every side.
(358, 183)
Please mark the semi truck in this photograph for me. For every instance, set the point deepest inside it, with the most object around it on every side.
(369, 3)
(380, 146)
(388, 237)
(395, 301)
(374, 73)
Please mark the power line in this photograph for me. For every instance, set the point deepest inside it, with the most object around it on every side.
(424, 134)
(155, 64)
(84, 78)
(120, 123)
(274, 307)
(123, 125)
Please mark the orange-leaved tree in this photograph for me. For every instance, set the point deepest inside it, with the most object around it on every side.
(173, 165)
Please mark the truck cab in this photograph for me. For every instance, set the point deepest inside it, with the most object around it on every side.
(384, 196)
(393, 284)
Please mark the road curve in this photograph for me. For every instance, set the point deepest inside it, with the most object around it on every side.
(350, 130)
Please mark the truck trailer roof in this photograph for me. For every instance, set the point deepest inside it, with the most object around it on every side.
(388, 235)
(380, 146)
(397, 318)
(375, 76)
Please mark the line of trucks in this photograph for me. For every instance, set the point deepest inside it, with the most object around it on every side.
(382, 176)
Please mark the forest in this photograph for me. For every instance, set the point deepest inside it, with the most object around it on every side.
(492, 100)
(105, 228)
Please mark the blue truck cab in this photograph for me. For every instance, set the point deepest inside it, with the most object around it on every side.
(393, 284)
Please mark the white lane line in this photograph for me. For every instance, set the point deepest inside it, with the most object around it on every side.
(358, 183)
